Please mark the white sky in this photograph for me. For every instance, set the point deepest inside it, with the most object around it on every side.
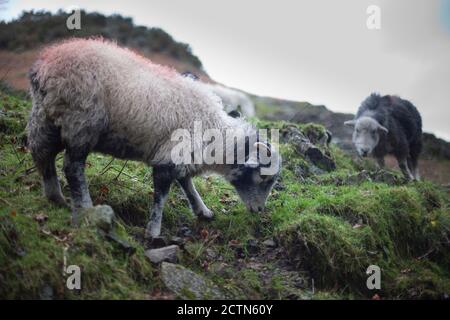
(318, 51)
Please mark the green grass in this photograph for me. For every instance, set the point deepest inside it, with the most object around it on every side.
(330, 228)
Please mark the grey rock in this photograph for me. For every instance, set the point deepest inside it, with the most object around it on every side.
(101, 216)
(159, 255)
(186, 284)
(185, 232)
(269, 243)
(210, 253)
(304, 146)
(252, 246)
(177, 240)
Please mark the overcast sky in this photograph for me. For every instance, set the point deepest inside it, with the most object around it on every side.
(319, 51)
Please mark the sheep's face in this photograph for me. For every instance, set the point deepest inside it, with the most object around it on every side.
(366, 134)
(252, 183)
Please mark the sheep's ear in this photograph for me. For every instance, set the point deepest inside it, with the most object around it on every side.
(350, 123)
(380, 127)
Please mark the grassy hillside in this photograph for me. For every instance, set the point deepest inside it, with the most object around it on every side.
(21, 40)
(33, 29)
(326, 228)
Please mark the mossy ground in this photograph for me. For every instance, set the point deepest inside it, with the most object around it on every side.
(329, 229)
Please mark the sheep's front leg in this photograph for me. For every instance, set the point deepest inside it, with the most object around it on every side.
(194, 198)
(74, 163)
(162, 179)
(403, 164)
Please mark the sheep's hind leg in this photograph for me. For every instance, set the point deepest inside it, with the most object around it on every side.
(52, 188)
(194, 198)
(163, 176)
(74, 164)
(44, 143)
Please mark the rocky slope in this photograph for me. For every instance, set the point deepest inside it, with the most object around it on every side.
(435, 160)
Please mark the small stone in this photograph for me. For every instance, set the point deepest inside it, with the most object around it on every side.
(186, 284)
(177, 240)
(279, 186)
(270, 243)
(252, 246)
(101, 216)
(211, 254)
(159, 255)
(218, 268)
(185, 232)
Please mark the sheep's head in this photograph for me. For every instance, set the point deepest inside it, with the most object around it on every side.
(254, 179)
(366, 134)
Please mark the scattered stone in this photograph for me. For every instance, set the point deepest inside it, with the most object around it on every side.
(220, 268)
(177, 240)
(159, 255)
(237, 247)
(40, 217)
(184, 232)
(211, 254)
(279, 185)
(303, 146)
(252, 246)
(382, 176)
(101, 216)
(188, 285)
(270, 243)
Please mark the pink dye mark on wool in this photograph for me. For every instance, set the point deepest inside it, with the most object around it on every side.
(62, 56)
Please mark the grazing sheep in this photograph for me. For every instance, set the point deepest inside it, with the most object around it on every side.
(389, 125)
(92, 96)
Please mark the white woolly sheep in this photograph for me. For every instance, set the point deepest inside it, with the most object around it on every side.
(91, 95)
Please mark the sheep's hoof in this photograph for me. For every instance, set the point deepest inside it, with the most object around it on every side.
(152, 231)
(205, 214)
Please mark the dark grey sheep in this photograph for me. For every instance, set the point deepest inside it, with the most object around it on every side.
(389, 125)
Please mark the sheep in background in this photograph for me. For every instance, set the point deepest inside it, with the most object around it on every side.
(234, 102)
(389, 125)
(92, 96)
